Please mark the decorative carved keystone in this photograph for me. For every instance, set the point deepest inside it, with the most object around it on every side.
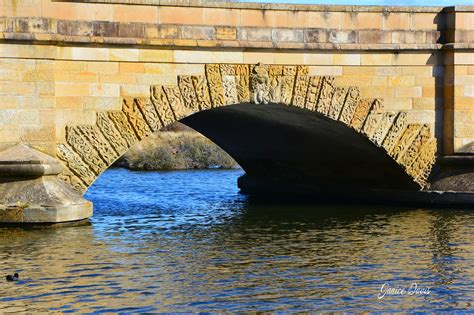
(30, 191)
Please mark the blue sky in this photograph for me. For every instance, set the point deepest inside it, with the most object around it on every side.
(444, 3)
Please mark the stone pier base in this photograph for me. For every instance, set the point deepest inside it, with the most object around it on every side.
(281, 189)
(30, 191)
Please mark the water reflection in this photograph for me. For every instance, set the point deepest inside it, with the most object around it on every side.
(190, 242)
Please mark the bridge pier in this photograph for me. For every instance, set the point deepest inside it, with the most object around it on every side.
(281, 189)
(31, 191)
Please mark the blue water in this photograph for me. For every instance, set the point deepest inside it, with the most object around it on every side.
(187, 241)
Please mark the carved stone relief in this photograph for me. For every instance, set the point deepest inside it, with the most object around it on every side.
(259, 84)
(89, 149)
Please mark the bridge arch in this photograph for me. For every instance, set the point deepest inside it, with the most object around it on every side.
(91, 149)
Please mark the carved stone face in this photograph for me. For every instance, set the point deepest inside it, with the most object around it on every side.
(260, 70)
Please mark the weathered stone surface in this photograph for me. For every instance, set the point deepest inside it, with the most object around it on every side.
(21, 160)
(186, 87)
(216, 88)
(202, 92)
(31, 191)
(259, 89)
(162, 104)
(91, 149)
(149, 113)
(42, 200)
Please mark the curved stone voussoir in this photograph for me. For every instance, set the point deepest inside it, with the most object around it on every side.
(88, 150)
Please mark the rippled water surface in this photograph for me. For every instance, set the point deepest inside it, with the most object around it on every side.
(188, 241)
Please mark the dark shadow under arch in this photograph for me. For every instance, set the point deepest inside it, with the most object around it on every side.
(275, 143)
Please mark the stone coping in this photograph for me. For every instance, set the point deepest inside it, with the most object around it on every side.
(279, 6)
(459, 46)
(217, 44)
(100, 33)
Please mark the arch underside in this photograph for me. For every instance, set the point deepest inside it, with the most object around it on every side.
(283, 124)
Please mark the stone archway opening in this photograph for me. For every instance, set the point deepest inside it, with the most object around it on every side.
(334, 128)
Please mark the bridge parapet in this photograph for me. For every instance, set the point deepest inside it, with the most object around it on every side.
(66, 60)
(232, 25)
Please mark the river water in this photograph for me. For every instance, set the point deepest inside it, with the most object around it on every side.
(187, 241)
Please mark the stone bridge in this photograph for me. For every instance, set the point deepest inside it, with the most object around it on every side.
(353, 102)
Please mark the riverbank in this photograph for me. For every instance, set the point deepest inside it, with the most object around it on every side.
(176, 150)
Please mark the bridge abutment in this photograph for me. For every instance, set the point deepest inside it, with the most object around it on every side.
(31, 191)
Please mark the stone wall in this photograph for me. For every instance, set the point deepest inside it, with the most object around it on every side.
(61, 62)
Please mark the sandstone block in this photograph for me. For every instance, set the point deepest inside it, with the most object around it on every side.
(59, 10)
(156, 79)
(287, 35)
(190, 56)
(426, 103)
(118, 78)
(159, 68)
(16, 64)
(256, 57)
(331, 20)
(100, 67)
(102, 103)
(135, 90)
(255, 34)
(397, 21)
(9, 102)
(214, 16)
(131, 67)
(352, 70)
(342, 37)
(82, 76)
(376, 59)
(37, 133)
(388, 71)
(30, 101)
(135, 13)
(398, 104)
(288, 58)
(424, 21)
(256, 18)
(17, 88)
(72, 89)
(105, 90)
(75, 102)
(374, 36)
(181, 15)
(96, 12)
(401, 80)
(415, 91)
(318, 58)
(315, 35)
(121, 54)
(291, 19)
(10, 133)
(346, 59)
(226, 33)
(234, 57)
(89, 53)
(193, 32)
(368, 20)
(156, 55)
(325, 70)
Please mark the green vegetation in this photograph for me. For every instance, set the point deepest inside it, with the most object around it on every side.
(174, 150)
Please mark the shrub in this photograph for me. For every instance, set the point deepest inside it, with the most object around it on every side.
(176, 150)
